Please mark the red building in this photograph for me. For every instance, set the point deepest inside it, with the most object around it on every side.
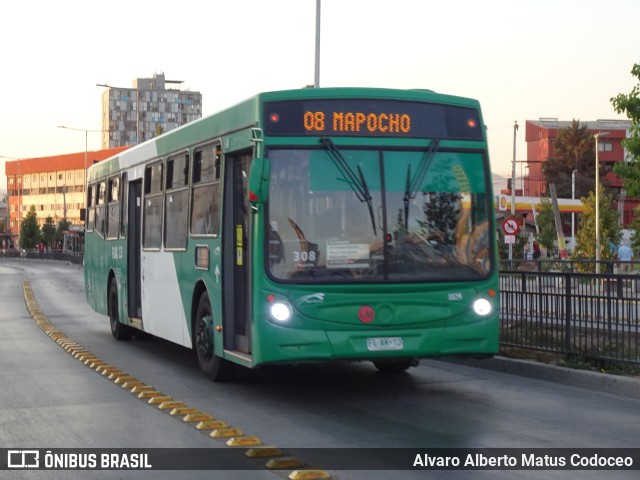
(540, 136)
(54, 186)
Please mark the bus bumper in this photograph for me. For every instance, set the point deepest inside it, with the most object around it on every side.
(479, 337)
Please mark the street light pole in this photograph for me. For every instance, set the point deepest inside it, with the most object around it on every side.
(86, 148)
(597, 136)
(513, 184)
(573, 214)
(316, 82)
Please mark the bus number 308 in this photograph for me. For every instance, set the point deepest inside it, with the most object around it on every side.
(304, 256)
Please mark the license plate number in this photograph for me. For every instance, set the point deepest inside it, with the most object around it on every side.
(378, 344)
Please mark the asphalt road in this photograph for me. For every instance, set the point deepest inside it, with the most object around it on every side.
(49, 399)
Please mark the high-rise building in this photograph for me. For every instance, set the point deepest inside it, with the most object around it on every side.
(151, 107)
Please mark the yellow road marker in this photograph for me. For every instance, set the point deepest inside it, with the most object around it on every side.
(143, 388)
(263, 452)
(197, 417)
(211, 425)
(159, 400)
(150, 394)
(244, 441)
(123, 379)
(183, 410)
(171, 405)
(226, 432)
(308, 475)
(131, 385)
(284, 462)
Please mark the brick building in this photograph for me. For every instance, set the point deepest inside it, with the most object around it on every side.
(540, 135)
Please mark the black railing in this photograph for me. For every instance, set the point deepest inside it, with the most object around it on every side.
(595, 316)
(57, 255)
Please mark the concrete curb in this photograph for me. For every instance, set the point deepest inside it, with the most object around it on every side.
(602, 382)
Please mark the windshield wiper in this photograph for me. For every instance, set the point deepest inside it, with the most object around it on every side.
(407, 198)
(358, 185)
(412, 190)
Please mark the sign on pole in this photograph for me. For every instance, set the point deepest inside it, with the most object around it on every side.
(510, 226)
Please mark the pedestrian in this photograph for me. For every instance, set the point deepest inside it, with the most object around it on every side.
(625, 256)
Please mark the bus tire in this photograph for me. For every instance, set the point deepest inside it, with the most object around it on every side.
(118, 329)
(213, 367)
(394, 366)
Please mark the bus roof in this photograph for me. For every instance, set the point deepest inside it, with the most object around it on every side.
(246, 114)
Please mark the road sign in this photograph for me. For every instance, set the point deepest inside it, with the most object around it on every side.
(510, 226)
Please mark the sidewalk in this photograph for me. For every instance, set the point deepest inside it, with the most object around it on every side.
(604, 382)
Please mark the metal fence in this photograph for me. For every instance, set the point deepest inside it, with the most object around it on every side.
(590, 315)
(57, 255)
(546, 306)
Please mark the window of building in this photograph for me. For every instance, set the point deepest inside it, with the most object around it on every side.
(605, 146)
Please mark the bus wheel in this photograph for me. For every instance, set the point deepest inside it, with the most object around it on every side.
(118, 330)
(213, 367)
(395, 366)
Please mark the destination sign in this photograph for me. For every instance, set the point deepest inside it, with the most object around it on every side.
(371, 118)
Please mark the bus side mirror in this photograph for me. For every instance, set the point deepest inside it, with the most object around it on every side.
(259, 180)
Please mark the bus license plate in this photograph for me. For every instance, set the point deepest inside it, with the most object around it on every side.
(378, 344)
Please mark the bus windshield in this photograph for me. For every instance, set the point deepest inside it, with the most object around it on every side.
(374, 215)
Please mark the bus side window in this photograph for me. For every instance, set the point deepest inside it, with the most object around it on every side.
(91, 211)
(124, 194)
(176, 207)
(205, 194)
(113, 207)
(100, 206)
(152, 206)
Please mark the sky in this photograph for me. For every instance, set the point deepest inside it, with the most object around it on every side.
(523, 60)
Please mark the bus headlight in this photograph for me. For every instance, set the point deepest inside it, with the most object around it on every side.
(280, 311)
(482, 307)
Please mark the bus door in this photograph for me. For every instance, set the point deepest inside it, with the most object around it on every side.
(237, 262)
(134, 243)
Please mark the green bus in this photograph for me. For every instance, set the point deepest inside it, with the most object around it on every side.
(351, 224)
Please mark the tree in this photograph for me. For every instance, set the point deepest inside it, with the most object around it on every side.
(30, 230)
(517, 250)
(586, 234)
(546, 224)
(635, 226)
(630, 105)
(63, 226)
(48, 234)
(574, 149)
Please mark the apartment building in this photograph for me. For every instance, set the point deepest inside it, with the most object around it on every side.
(54, 186)
(150, 107)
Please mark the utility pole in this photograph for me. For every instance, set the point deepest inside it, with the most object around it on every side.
(316, 82)
(513, 184)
